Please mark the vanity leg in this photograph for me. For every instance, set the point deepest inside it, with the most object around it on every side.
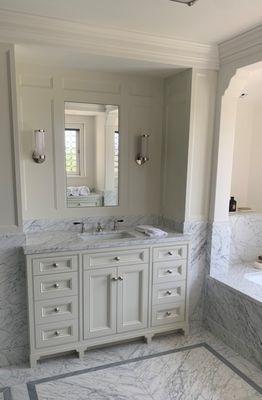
(33, 360)
(81, 353)
(185, 330)
(148, 339)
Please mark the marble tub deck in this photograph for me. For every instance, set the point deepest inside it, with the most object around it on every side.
(236, 277)
(18, 377)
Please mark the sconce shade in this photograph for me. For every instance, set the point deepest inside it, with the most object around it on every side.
(39, 151)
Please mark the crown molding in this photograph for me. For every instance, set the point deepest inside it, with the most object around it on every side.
(244, 45)
(21, 28)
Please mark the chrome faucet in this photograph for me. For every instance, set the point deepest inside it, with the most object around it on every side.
(116, 221)
(82, 226)
(99, 227)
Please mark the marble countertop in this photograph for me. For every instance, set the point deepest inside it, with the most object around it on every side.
(61, 241)
(237, 278)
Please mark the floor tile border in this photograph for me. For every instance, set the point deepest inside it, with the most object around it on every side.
(7, 393)
(31, 386)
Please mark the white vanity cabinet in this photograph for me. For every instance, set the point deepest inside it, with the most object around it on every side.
(96, 297)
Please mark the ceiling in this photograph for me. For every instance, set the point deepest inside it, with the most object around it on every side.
(208, 21)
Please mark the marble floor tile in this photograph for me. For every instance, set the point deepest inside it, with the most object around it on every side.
(188, 373)
(17, 377)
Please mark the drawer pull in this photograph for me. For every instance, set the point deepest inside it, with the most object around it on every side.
(120, 278)
(170, 253)
(169, 271)
(56, 285)
(57, 309)
(114, 279)
(57, 333)
(55, 265)
(169, 292)
(117, 258)
(168, 313)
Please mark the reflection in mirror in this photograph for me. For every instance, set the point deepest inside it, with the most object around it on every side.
(91, 154)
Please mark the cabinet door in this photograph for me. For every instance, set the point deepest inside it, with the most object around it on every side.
(100, 289)
(132, 298)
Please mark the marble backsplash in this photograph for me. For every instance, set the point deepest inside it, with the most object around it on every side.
(246, 237)
(42, 225)
(13, 305)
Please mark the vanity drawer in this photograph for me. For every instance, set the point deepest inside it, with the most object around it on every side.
(170, 253)
(168, 314)
(115, 258)
(169, 293)
(53, 265)
(168, 271)
(62, 309)
(59, 285)
(56, 333)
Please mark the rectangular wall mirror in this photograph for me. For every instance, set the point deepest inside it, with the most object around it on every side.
(91, 154)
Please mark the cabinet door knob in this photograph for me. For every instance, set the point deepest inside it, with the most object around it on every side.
(169, 271)
(57, 309)
(169, 292)
(56, 285)
(120, 278)
(57, 333)
(55, 265)
(114, 279)
(117, 258)
(170, 253)
(168, 313)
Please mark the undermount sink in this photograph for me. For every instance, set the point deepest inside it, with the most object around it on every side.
(106, 235)
(255, 277)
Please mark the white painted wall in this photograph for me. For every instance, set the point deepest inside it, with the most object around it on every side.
(42, 92)
(189, 124)
(10, 199)
(176, 125)
(247, 161)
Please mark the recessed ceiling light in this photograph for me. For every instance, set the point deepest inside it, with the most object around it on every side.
(188, 2)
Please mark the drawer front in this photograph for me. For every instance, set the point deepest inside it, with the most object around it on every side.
(116, 258)
(59, 285)
(169, 271)
(57, 333)
(168, 314)
(169, 293)
(48, 311)
(53, 265)
(170, 253)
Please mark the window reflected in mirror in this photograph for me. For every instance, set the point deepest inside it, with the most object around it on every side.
(91, 154)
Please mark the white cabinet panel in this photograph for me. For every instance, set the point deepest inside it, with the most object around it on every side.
(56, 310)
(57, 333)
(170, 292)
(167, 271)
(57, 285)
(168, 314)
(170, 253)
(132, 307)
(54, 265)
(100, 288)
(116, 257)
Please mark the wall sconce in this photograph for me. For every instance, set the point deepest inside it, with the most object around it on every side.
(39, 151)
(143, 155)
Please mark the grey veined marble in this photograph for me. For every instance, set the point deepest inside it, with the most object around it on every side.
(13, 308)
(193, 373)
